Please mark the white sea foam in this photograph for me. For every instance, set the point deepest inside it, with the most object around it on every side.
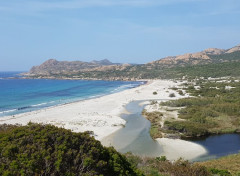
(39, 104)
(8, 111)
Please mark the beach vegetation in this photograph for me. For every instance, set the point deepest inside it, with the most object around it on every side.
(180, 92)
(213, 110)
(153, 102)
(38, 149)
(160, 166)
(172, 95)
(155, 119)
(227, 165)
(47, 150)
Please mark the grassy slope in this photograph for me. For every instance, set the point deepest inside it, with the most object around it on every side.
(160, 166)
(230, 163)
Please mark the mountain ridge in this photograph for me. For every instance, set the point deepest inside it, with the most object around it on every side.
(195, 58)
(53, 66)
(211, 60)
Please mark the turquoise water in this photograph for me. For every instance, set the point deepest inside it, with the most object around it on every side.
(24, 95)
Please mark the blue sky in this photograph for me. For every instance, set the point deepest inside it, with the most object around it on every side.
(127, 31)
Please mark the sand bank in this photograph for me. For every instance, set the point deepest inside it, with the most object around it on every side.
(176, 148)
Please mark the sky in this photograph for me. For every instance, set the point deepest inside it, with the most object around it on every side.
(126, 31)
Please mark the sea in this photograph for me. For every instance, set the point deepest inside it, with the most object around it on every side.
(19, 95)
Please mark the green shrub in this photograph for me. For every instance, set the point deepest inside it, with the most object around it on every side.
(220, 172)
(180, 92)
(188, 128)
(47, 150)
(161, 158)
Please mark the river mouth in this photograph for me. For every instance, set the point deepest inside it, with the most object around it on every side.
(135, 138)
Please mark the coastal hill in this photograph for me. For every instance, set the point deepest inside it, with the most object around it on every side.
(203, 57)
(52, 66)
(211, 62)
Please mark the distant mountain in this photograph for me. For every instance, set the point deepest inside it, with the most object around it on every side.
(52, 66)
(203, 57)
(104, 62)
(211, 62)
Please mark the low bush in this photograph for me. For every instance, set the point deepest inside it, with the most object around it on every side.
(172, 95)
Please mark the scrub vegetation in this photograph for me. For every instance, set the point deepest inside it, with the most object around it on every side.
(214, 109)
(47, 150)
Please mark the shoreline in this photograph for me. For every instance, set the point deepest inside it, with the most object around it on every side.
(140, 83)
(102, 115)
(88, 114)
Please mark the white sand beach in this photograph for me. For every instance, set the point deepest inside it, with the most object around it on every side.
(176, 148)
(102, 115)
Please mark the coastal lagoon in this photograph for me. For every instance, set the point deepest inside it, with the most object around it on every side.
(219, 145)
(24, 95)
(135, 138)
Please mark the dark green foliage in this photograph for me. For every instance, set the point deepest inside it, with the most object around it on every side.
(172, 95)
(180, 92)
(162, 158)
(47, 150)
(189, 129)
(220, 172)
(154, 93)
(213, 70)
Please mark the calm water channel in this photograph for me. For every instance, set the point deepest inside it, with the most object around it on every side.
(135, 138)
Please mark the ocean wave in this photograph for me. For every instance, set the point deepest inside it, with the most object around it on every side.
(39, 104)
(8, 111)
(123, 87)
(35, 106)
